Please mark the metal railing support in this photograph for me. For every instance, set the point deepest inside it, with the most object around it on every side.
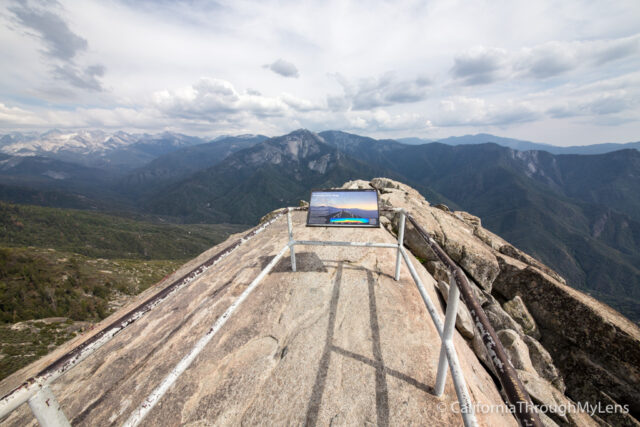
(47, 410)
(447, 334)
(400, 243)
(459, 384)
(291, 242)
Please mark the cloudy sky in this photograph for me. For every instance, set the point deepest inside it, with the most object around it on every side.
(563, 72)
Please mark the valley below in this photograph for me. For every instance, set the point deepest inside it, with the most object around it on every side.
(63, 270)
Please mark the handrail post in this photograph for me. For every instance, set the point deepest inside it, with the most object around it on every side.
(291, 243)
(447, 334)
(47, 410)
(400, 243)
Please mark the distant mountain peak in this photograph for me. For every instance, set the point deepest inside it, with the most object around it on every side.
(299, 144)
(304, 134)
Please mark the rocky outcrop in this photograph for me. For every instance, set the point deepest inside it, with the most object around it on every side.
(568, 336)
(543, 363)
(519, 312)
(596, 349)
(499, 318)
(517, 350)
(450, 231)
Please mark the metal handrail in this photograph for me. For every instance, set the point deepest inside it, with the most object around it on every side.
(448, 352)
(36, 390)
(522, 406)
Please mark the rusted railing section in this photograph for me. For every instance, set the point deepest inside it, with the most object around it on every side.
(523, 409)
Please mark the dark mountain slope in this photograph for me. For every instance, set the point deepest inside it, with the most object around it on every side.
(50, 173)
(179, 164)
(254, 181)
(381, 154)
(50, 182)
(611, 179)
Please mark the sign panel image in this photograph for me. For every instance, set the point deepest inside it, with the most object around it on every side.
(343, 208)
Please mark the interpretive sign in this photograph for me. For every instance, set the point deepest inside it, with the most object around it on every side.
(343, 208)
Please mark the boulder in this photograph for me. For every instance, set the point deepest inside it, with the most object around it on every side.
(437, 270)
(500, 245)
(500, 319)
(488, 238)
(543, 363)
(385, 185)
(472, 220)
(458, 241)
(395, 193)
(517, 350)
(518, 311)
(481, 296)
(358, 184)
(546, 421)
(543, 393)
(516, 253)
(551, 401)
(464, 322)
(414, 241)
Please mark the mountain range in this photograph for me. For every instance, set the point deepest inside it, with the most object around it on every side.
(518, 144)
(579, 214)
(119, 150)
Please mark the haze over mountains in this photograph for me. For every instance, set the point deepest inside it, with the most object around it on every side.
(580, 214)
(519, 144)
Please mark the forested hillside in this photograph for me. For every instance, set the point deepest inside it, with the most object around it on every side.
(73, 268)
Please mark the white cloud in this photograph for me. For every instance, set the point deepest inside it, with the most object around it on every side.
(14, 116)
(389, 68)
(284, 68)
(480, 65)
(59, 43)
(485, 65)
(464, 111)
(369, 93)
(214, 100)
